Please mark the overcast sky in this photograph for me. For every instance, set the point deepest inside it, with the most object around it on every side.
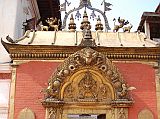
(130, 10)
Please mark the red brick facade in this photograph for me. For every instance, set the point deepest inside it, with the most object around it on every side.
(32, 77)
(141, 76)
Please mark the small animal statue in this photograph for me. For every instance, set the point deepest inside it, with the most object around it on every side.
(44, 28)
(127, 28)
(53, 23)
(122, 22)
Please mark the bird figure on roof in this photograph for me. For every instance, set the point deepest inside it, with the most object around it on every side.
(10, 39)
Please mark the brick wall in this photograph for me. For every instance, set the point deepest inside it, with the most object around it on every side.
(141, 76)
(32, 77)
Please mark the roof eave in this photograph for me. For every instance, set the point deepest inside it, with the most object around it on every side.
(145, 16)
(52, 52)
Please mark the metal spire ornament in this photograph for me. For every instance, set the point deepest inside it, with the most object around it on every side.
(99, 25)
(87, 4)
(93, 15)
(78, 15)
(106, 6)
(63, 5)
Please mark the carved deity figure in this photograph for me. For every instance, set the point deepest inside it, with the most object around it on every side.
(105, 92)
(51, 93)
(89, 56)
(68, 93)
(87, 87)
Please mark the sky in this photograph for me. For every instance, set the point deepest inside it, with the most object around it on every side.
(130, 10)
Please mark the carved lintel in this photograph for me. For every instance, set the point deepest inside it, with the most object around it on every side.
(122, 103)
(50, 102)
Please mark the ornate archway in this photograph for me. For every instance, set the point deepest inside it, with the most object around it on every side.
(87, 83)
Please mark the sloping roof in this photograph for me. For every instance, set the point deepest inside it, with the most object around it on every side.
(151, 17)
(53, 45)
(158, 8)
(104, 39)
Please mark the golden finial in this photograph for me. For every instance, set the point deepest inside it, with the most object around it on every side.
(85, 23)
(72, 25)
(99, 25)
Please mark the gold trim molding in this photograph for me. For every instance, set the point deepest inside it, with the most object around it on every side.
(52, 52)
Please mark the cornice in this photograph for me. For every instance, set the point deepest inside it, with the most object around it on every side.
(52, 52)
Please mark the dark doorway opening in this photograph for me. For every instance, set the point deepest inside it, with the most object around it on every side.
(101, 116)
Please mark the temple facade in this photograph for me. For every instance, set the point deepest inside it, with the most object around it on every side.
(70, 74)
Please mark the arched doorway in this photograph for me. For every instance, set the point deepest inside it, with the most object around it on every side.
(87, 83)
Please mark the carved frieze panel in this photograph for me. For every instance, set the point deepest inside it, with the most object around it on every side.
(86, 85)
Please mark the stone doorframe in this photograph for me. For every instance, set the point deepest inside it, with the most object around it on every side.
(87, 82)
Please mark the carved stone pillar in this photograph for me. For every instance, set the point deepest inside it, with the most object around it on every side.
(52, 113)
